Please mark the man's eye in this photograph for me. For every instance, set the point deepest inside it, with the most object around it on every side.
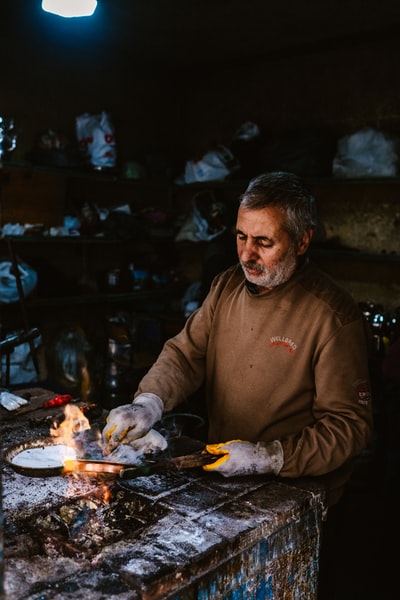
(264, 243)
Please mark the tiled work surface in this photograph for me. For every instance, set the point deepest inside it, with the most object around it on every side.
(182, 535)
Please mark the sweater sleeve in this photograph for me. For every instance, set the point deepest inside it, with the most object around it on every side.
(342, 407)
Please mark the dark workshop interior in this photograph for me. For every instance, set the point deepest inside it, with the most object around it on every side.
(111, 261)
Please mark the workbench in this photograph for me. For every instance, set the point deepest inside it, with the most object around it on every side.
(178, 535)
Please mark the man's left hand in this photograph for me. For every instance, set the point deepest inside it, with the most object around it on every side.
(245, 458)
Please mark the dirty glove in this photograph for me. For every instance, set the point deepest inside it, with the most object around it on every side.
(246, 458)
(131, 421)
(148, 446)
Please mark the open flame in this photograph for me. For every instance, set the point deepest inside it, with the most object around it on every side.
(71, 434)
(74, 422)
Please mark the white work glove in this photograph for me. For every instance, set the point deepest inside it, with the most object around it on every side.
(146, 447)
(245, 458)
(131, 421)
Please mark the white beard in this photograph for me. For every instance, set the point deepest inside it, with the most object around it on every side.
(280, 272)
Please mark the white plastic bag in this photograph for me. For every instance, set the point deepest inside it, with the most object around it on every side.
(206, 221)
(215, 165)
(8, 282)
(366, 153)
(247, 131)
(96, 139)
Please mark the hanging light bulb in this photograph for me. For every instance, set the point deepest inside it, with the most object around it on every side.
(70, 8)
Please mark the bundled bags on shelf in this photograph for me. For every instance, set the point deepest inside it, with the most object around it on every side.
(96, 139)
(367, 153)
(214, 165)
(206, 221)
(8, 281)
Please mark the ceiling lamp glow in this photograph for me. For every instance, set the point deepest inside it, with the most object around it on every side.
(70, 8)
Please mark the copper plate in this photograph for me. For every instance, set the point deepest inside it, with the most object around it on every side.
(11, 452)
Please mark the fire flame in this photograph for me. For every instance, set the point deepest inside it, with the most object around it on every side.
(73, 423)
(67, 433)
(106, 493)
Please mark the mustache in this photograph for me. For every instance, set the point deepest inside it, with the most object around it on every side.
(253, 266)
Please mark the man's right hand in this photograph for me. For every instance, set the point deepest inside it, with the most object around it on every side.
(131, 421)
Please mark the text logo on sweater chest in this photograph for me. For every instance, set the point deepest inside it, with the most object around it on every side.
(285, 342)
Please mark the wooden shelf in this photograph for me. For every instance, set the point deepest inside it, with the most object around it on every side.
(354, 255)
(361, 214)
(83, 240)
(164, 294)
(112, 175)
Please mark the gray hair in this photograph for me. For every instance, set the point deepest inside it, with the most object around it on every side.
(287, 191)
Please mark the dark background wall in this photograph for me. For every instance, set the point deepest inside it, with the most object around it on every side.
(177, 78)
(160, 101)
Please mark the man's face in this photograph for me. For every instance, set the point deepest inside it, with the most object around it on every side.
(266, 252)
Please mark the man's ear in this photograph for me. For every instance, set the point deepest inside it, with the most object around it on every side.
(304, 243)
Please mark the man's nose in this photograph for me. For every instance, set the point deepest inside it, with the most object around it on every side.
(247, 251)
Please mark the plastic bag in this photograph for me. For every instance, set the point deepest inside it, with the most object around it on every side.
(366, 153)
(68, 358)
(8, 136)
(213, 166)
(8, 282)
(96, 139)
(191, 298)
(247, 131)
(207, 220)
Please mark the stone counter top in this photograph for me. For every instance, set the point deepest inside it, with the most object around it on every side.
(178, 535)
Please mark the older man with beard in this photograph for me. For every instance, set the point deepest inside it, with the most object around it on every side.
(281, 349)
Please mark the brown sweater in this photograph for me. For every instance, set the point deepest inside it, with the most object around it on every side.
(289, 364)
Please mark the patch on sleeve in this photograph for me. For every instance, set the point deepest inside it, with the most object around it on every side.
(363, 392)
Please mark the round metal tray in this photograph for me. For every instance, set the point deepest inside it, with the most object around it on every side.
(12, 451)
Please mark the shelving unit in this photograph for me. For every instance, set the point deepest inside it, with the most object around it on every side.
(358, 241)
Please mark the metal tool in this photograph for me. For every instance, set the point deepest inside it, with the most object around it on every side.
(95, 467)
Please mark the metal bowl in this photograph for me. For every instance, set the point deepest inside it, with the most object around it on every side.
(181, 424)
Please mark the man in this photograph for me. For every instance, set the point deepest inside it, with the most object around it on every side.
(281, 348)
